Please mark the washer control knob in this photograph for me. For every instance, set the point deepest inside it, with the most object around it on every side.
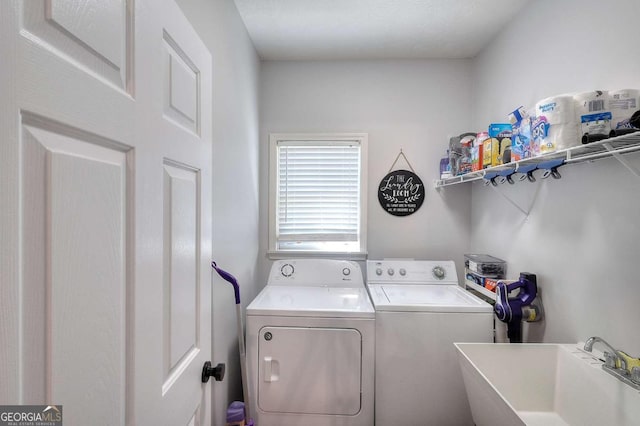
(346, 272)
(287, 270)
(439, 272)
(403, 272)
(378, 271)
(390, 271)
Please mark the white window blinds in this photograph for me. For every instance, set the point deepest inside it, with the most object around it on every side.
(318, 192)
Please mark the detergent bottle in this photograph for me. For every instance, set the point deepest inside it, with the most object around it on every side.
(235, 414)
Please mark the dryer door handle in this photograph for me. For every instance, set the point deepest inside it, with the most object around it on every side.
(271, 369)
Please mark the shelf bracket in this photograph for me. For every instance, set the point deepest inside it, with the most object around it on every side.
(514, 204)
(633, 170)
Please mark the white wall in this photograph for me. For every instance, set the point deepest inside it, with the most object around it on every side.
(410, 105)
(236, 69)
(582, 234)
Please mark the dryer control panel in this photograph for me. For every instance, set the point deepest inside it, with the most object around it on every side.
(316, 272)
(412, 271)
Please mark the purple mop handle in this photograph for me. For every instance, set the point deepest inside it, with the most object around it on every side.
(229, 278)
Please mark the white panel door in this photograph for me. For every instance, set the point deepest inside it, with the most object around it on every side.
(105, 210)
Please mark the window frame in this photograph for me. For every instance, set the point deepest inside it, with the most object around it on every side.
(273, 251)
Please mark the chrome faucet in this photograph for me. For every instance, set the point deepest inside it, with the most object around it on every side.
(612, 360)
(614, 357)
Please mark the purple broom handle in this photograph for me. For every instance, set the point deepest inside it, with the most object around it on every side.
(229, 278)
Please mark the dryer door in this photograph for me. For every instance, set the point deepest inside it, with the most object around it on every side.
(309, 370)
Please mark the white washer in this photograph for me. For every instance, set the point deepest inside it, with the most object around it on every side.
(420, 312)
(310, 346)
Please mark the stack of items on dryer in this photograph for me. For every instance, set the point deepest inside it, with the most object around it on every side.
(484, 270)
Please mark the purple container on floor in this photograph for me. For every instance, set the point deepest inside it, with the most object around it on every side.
(235, 414)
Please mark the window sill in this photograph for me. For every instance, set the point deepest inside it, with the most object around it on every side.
(292, 254)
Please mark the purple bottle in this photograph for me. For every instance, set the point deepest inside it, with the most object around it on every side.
(235, 414)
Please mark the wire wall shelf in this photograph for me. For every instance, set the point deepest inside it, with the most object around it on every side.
(612, 147)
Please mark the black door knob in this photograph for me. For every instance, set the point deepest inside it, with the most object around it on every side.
(217, 372)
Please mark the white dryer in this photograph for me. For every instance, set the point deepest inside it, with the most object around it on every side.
(420, 312)
(310, 346)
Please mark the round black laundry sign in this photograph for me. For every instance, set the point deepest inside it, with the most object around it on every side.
(401, 193)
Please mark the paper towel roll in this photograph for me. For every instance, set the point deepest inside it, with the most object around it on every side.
(557, 109)
(623, 104)
(553, 137)
(565, 135)
(593, 102)
(592, 112)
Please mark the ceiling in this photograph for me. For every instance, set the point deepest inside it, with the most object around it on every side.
(373, 29)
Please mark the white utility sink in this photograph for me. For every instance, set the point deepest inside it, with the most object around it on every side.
(543, 385)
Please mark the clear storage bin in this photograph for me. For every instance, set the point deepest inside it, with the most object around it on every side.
(485, 265)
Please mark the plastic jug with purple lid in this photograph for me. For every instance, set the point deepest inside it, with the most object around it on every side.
(235, 414)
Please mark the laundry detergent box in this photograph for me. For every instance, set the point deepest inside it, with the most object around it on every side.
(476, 158)
(474, 278)
(497, 130)
(491, 284)
(487, 149)
(500, 135)
(477, 154)
(521, 140)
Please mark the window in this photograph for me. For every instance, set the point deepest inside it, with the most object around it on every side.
(317, 195)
